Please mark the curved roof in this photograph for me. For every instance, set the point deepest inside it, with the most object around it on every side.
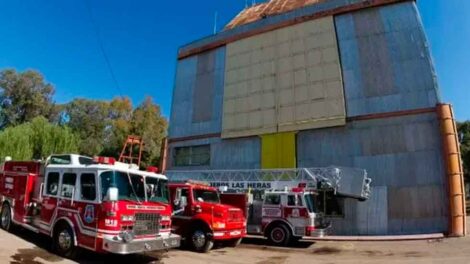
(270, 8)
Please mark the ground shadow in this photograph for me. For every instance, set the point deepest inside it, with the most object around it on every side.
(42, 252)
(260, 241)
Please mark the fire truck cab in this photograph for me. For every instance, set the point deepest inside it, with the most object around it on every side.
(286, 216)
(201, 218)
(80, 202)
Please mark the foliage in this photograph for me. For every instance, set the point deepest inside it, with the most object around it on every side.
(464, 137)
(24, 96)
(36, 139)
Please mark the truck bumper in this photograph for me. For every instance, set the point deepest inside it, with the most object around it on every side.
(137, 246)
(228, 234)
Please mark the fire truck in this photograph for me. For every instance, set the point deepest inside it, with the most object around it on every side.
(287, 204)
(88, 203)
(201, 218)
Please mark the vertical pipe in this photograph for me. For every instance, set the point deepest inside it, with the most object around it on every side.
(163, 155)
(454, 170)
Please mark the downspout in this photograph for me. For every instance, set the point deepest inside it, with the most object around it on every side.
(454, 170)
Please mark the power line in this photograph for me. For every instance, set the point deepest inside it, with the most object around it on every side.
(96, 29)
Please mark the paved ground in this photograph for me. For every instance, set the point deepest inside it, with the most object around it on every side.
(23, 247)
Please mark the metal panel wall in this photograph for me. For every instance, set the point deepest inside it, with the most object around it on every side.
(197, 95)
(284, 80)
(278, 151)
(402, 155)
(385, 60)
(240, 153)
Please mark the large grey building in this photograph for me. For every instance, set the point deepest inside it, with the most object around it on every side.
(317, 83)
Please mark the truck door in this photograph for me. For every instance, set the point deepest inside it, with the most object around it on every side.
(87, 204)
(181, 211)
(50, 198)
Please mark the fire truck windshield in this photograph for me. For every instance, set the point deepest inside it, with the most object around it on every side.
(310, 202)
(123, 181)
(206, 196)
(157, 190)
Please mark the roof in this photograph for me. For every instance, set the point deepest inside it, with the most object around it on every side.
(263, 10)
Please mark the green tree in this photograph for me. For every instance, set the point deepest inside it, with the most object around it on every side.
(464, 137)
(148, 123)
(120, 115)
(89, 119)
(24, 96)
(36, 140)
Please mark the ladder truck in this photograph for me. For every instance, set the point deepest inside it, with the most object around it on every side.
(282, 205)
(88, 203)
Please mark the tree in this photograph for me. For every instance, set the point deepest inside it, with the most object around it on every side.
(36, 140)
(464, 138)
(148, 123)
(24, 96)
(120, 115)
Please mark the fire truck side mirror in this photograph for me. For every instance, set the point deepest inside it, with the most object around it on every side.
(112, 195)
(183, 202)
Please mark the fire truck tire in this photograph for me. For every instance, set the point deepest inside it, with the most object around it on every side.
(200, 240)
(235, 242)
(279, 235)
(64, 242)
(6, 217)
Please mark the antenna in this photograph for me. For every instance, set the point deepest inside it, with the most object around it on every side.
(215, 22)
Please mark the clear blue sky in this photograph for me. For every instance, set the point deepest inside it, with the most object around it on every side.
(141, 38)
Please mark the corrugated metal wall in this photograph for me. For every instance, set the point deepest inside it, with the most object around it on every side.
(284, 80)
(278, 151)
(241, 153)
(402, 155)
(197, 95)
(385, 60)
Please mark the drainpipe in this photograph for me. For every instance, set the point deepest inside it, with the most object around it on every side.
(454, 170)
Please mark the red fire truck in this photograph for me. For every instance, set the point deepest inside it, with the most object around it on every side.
(80, 202)
(201, 219)
(283, 205)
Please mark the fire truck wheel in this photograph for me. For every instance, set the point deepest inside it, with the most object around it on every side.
(64, 242)
(279, 235)
(200, 241)
(6, 218)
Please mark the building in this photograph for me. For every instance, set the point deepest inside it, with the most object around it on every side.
(325, 82)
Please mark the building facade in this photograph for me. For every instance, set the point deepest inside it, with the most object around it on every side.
(319, 83)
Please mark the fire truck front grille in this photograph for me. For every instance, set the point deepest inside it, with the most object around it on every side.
(146, 224)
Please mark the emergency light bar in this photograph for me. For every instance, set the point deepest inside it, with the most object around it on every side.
(104, 160)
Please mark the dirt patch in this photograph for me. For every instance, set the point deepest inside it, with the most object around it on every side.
(414, 254)
(29, 256)
(326, 251)
(376, 253)
(273, 260)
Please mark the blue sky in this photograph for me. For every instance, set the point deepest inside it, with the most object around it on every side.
(141, 38)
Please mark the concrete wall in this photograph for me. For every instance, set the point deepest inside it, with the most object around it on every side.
(402, 155)
(283, 80)
(197, 96)
(385, 60)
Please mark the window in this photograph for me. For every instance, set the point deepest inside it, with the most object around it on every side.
(157, 190)
(60, 159)
(86, 161)
(88, 187)
(68, 184)
(192, 156)
(206, 196)
(294, 200)
(330, 204)
(272, 199)
(131, 186)
(52, 184)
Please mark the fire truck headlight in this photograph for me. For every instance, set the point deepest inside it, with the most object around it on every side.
(218, 225)
(166, 218)
(126, 236)
(128, 218)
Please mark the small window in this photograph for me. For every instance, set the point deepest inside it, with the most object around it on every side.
(88, 187)
(68, 184)
(272, 199)
(331, 204)
(86, 160)
(52, 184)
(192, 156)
(294, 200)
(60, 159)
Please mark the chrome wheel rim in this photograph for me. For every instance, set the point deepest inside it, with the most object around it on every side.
(277, 234)
(199, 239)
(65, 240)
(5, 217)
